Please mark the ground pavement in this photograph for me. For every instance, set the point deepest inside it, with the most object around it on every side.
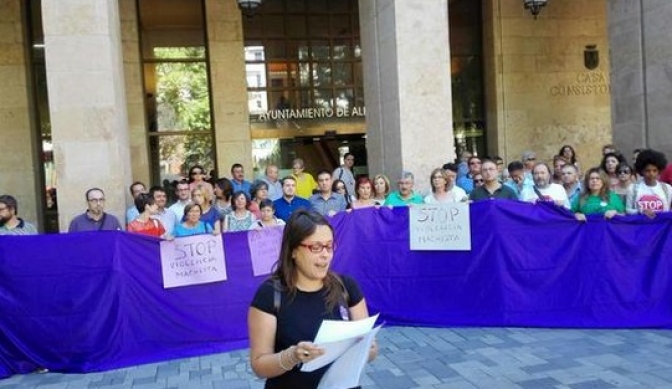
(413, 357)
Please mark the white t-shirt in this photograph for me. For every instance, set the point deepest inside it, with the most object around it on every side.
(553, 192)
(455, 195)
(642, 197)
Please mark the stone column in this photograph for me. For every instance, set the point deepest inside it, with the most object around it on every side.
(407, 85)
(87, 103)
(17, 164)
(641, 69)
(228, 85)
(135, 100)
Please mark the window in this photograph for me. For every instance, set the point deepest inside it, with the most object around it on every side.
(466, 51)
(304, 54)
(41, 113)
(176, 86)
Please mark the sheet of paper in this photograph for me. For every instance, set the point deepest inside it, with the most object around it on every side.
(264, 249)
(346, 371)
(332, 351)
(336, 337)
(335, 330)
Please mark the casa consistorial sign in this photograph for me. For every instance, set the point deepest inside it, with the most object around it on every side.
(311, 113)
(585, 84)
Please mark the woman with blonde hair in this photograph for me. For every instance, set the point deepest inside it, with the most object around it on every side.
(381, 188)
(444, 190)
(209, 214)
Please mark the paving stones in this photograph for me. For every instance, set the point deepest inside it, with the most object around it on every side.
(432, 358)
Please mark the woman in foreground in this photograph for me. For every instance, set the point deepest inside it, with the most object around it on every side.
(288, 308)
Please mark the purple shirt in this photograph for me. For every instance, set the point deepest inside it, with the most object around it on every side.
(84, 223)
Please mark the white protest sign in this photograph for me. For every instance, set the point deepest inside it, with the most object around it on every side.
(440, 227)
(192, 260)
(264, 249)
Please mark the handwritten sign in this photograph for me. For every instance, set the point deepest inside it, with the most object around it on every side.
(192, 260)
(264, 249)
(440, 227)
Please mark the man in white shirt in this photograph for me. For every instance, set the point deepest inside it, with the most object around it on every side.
(167, 217)
(274, 184)
(183, 198)
(544, 189)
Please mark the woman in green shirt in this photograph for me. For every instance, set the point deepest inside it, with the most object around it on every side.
(596, 197)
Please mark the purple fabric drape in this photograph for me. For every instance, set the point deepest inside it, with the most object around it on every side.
(94, 301)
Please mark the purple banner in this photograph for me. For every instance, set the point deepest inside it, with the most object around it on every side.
(95, 301)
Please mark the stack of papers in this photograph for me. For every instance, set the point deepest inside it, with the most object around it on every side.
(346, 344)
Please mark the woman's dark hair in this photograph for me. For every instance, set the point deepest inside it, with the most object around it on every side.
(301, 225)
(334, 185)
(189, 207)
(650, 157)
(256, 186)
(619, 158)
(227, 188)
(267, 203)
(625, 166)
(238, 194)
(191, 170)
(573, 159)
(604, 192)
(143, 200)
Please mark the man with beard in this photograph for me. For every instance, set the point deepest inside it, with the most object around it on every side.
(95, 218)
(571, 183)
(10, 223)
(544, 189)
(289, 202)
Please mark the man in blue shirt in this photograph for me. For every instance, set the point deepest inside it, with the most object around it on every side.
(326, 203)
(289, 202)
(95, 218)
(467, 182)
(238, 179)
(517, 179)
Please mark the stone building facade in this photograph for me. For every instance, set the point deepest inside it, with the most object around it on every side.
(88, 97)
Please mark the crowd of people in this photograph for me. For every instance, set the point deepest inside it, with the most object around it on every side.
(235, 204)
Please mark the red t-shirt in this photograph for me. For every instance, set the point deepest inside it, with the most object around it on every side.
(151, 227)
(666, 175)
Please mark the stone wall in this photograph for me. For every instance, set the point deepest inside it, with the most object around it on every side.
(541, 94)
(641, 58)
(137, 132)
(228, 86)
(19, 172)
(87, 102)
